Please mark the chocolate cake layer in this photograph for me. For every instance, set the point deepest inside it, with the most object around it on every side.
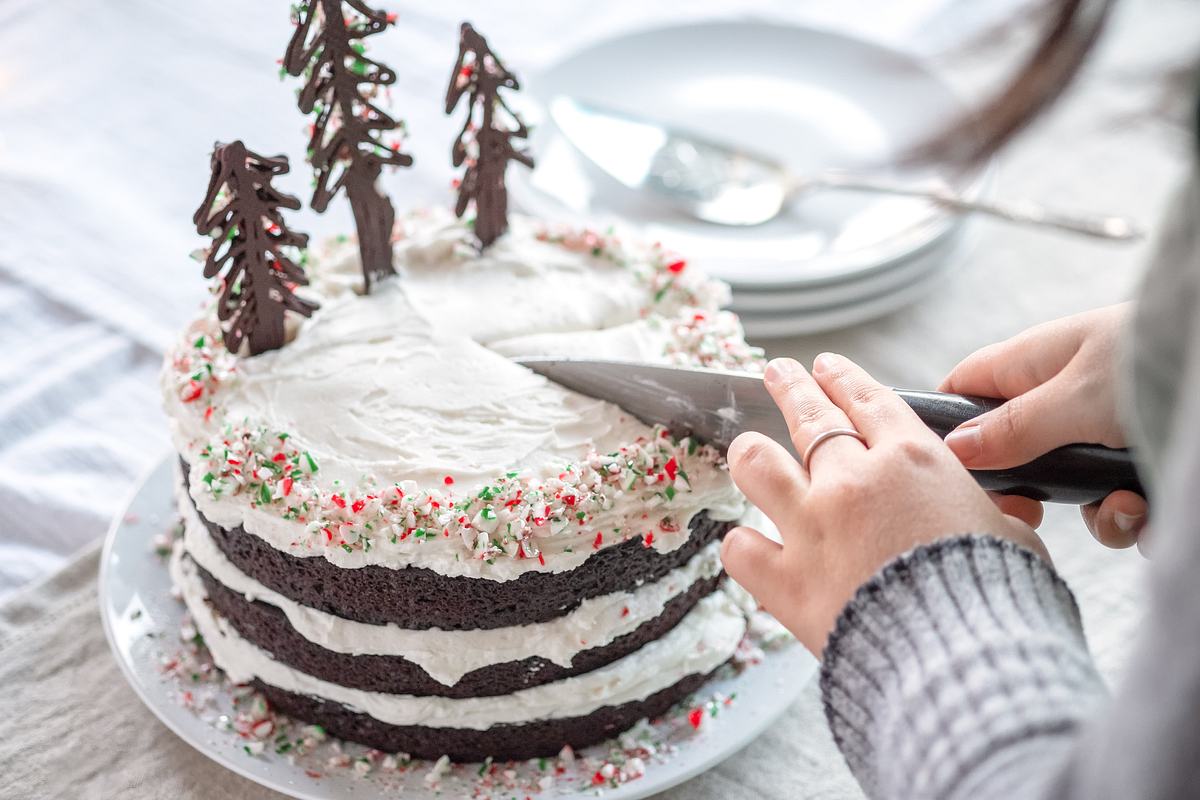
(268, 627)
(419, 598)
(501, 742)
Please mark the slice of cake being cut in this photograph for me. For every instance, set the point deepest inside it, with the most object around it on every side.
(394, 531)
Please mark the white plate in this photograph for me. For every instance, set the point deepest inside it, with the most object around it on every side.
(812, 99)
(142, 620)
(895, 277)
(805, 321)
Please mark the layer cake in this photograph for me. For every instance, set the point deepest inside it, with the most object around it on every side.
(394, 531)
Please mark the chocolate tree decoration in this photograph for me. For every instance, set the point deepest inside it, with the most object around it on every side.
(344, 147)
(242, 211)
(485, 144)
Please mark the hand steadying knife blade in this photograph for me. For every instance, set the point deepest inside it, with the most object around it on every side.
(716, 406)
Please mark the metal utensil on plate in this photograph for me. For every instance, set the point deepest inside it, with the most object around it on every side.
(729, 185)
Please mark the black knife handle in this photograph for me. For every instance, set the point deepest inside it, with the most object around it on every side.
(1077, 474)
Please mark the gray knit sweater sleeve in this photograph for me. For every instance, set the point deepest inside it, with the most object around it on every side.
(961, 670)
(958, 661)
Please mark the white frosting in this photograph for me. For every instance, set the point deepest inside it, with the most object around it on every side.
(702, 641)
(413, 383)
(517, 287)
(373, 388)
(448, 655)
(633, 341)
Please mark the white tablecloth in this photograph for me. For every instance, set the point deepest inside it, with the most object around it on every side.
(108, 111)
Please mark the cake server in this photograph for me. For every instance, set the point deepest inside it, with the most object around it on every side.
(716, 406)
(729, 185)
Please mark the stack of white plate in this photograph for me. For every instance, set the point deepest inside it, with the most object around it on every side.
(813, 100)
(802, 299)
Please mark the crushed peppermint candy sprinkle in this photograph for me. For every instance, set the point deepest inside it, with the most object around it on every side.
(201, 365)
(711, 339)
(506, 517)
(663, 273)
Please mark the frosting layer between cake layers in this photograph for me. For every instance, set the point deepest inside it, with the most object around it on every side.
(395, 431)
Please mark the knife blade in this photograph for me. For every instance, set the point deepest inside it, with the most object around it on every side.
(717, 405)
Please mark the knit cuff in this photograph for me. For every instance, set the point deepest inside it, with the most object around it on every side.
(953, 653)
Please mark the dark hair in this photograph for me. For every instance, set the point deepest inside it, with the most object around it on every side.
(1072, 29)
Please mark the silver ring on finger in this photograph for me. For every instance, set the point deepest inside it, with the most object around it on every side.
(825, 436)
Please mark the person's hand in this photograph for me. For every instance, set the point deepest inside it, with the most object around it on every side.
(858, 507)
(1059, 381)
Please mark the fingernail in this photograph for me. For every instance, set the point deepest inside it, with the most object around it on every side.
(823, 362)
(965, 442)
(1143, 545)
(780, 368)
(1128, 523)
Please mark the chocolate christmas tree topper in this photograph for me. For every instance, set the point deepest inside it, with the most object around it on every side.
(486, 140)
(345, 145)
(242, 211)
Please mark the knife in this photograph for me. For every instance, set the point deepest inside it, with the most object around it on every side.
(716, 405)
